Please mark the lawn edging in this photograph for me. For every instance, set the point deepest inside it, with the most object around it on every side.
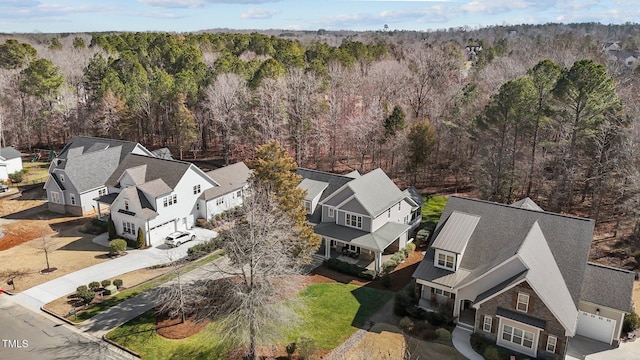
(58, 316)
(104, 338)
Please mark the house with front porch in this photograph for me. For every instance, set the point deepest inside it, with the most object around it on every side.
(362, 215)
(156, 196)
(78, 174)
(520, 276)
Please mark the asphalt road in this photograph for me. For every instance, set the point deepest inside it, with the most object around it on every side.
(25, 335)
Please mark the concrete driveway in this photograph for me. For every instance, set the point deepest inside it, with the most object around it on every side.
(35, 297)
(581, 348)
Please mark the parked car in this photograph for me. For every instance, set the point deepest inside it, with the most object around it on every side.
(3, 188)
(178, 238)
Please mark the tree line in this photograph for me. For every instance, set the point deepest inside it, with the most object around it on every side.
(539, 112)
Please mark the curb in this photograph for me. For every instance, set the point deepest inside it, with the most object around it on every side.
(104, 338)
(58, 317)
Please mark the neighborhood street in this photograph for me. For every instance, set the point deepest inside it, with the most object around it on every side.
(26, 335)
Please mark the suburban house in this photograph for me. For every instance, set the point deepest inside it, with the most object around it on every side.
(520, 276)
(159, 196)
(10, 162)
(362, 215)
(78, 174)
(232, 182)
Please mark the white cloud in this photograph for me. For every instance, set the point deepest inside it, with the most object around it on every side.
(199, 3)
(258, 13)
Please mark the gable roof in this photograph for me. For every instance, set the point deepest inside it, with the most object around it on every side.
(138, 201)
(527, 203)
(229, 178)
(8, 153)
(170, 171)
(415, 195)
(334, 181)
(454, 235)
(502, 229)
(374, 191)
(81, 145)
(607, 286)
(313, 188)
(163, 153)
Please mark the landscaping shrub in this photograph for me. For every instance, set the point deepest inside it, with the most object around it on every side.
(631, 322)
(94, 285)
(290, 348)
(405, 322)
(436, 318)
(491, 353)
(410, 248)
(202, 249)
(105, 283)
(140, 241)
(100, 225)
(401, 303)
(86, 295)
(117, 246)
(424, 330)
(82, 288)
(16, 177)
(117, 283)
(417, 312)
(386, 280)
(306, 347)
(111, 229)
(350, 269)
(443, 334)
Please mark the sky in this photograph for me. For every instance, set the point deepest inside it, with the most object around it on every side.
(57, 16)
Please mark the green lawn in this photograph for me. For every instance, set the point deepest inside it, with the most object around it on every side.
(35, 172)
(433, 207)
(333, 312)
(134, 291)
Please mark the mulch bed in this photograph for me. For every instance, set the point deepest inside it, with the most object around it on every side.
(172, 328)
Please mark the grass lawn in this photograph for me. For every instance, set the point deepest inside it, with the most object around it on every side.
(140, 336)
(134, 291)
(35, 172)
(433, 207)
(333, 312)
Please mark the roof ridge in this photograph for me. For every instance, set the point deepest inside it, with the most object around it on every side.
(161, 159)
(609, 267)
(325, 172)
(523, 209)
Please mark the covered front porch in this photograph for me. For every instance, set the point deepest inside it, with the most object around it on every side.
(354, 246)
(103, 204)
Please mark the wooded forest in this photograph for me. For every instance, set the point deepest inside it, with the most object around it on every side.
(500, 112)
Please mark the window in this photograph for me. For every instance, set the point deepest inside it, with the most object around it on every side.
(239, 193)
(73, 199)
(389, 213)
(165, 202)
(486, 325)
(551, 344)
(331, 214)
(196, 189)
(170, 200)
(399, 205)
(197, 206)
(353, 220)
(406, 220)
(55, 197)
(517, 336)
(126, 204)
(441, 292)
(220, 201)
(307, 206)
(102, 192)
(523, 302)
(128, 228)
(175, 198)
(445, 260)
(62, 177)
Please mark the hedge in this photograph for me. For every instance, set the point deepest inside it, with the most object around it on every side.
(350, 269)
(202, 249)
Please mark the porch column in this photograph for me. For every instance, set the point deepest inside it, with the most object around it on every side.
(378, 261)
(99, 212)
(327, 248)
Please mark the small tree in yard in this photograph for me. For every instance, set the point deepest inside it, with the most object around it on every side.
(117, 283)
(105, 283)
(111, 229)
(245, 297)
(140, 241)
(117, 246)
(86, 295)
(94, 285)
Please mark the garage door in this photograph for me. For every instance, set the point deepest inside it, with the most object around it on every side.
(158, 233)
(596, 327)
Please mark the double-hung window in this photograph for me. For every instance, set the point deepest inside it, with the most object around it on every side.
(353, 220)
(445, 261)
(486, 325)
(551, 344)
(523, 302)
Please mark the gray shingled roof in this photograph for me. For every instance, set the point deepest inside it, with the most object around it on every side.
(502, 229)
(527, 203)
(8, 153)
(415, 195)
(170, 171)
(608, 286)
(155, 188)
(377, 241)
(86, 144)
(512, 281)
(163, 153)
(454, 234)
(313, 187)
(428, 272)
(138, 201)
(229, 178)
(376, 192)
(92, 169)
(335, 181)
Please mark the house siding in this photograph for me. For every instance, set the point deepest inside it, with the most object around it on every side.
(537, 309)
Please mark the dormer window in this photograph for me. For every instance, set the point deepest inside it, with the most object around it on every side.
(126, 204)
(445, 260)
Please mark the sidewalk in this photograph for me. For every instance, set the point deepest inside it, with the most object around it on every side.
(461, 339)
(110, 319)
